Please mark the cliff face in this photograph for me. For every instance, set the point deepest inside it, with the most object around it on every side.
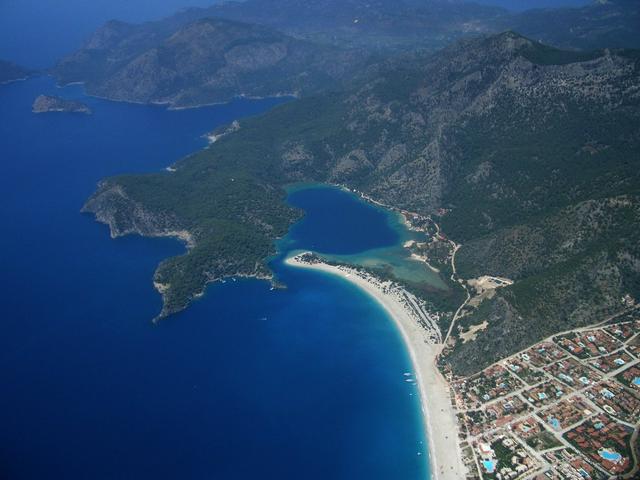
(48, 103)
(203, 62)
(514, 140)
(112, 206)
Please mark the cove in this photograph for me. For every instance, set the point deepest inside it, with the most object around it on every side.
(305, 382)
(379, 234)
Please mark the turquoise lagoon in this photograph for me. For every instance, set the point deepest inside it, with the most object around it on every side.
(391, 257)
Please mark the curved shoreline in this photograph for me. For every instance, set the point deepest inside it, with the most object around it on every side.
(439, 417)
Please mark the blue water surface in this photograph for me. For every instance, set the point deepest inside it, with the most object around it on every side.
(609, 455)
(338, 222)
(248, 383)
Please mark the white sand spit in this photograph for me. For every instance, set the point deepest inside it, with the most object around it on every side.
(423, 341)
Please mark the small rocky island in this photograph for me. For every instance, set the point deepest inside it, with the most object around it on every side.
(48, 103)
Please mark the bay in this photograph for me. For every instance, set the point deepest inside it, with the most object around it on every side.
(305, 382)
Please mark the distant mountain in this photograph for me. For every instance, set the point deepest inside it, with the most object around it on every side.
(10, 72)
(521, 5)
(191, 58)
(371, 23)
(432, 24)
(602, 24)
(531, 151)
(205, 61)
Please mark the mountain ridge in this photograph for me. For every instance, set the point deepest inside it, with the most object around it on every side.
(205, 61)
(600, 24)
(294, 47)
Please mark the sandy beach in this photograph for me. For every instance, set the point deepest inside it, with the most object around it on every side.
(422, 344)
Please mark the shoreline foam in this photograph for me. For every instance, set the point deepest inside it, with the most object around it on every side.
(440, 421)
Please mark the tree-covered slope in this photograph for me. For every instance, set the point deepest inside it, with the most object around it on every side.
(227, 202)
(516, 141)
(204, 61)
(571, 268)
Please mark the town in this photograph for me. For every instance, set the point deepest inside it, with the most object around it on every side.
(565, 408)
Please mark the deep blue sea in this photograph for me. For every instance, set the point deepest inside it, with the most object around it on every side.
(302, 383)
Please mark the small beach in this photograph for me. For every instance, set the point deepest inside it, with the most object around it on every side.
(423, 345)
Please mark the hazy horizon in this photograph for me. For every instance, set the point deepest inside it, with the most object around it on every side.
(36, 33)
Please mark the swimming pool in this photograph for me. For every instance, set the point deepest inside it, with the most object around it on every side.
(489, 465)
(610, 455)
